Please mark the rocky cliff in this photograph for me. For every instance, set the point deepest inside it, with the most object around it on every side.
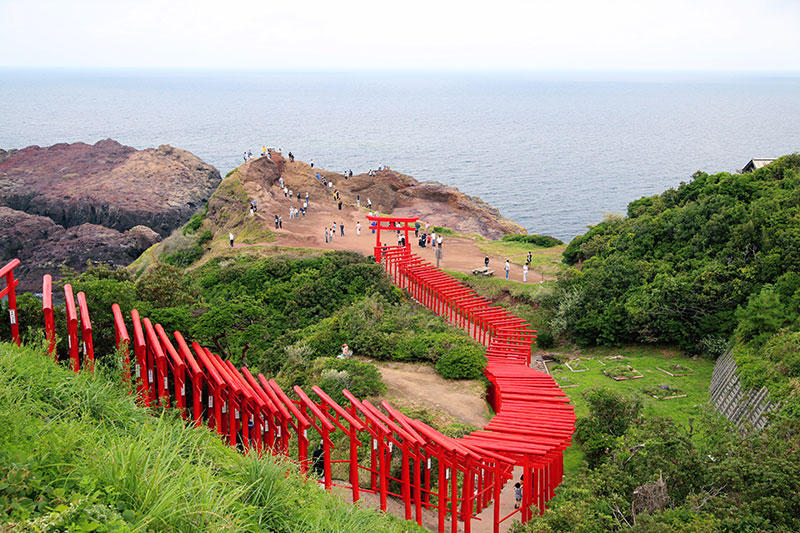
(71, 203)
(391, 193)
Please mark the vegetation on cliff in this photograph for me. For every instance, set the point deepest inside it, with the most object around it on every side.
(77, 454)
(708, 266)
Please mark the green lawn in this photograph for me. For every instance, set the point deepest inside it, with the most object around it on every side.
(647, 360)
(547, 260)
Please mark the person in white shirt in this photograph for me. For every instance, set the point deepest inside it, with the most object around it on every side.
(508, 268)
(230, 236)
(525, 273)
(358, 228)
(439, 241)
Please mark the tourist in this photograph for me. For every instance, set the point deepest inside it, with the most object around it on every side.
(525, 273)
(439, 241)
(244, 157)
(251, 211)
(276, 221)
(358, 200)
(433, 239)
(340, 205)
(291, 157)
(369, 203)
(358, 228)
(416, 229)
(280, 222)
(230, 236)
(517, 495)
(508, 268)
(312, 165)
(529, 258)
(326, 235)
(334, 228)
(318, 460)
(291, 193)
(486, 261)
(350, 173)
(341, 229)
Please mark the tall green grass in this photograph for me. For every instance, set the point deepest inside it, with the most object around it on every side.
(77, 454)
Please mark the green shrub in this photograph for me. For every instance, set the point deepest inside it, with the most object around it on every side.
(204, 237)
(184, 258)
(544, 241)
(439, 230)
(544, 340)
(194, 224)
(359, 377)
(462, 362)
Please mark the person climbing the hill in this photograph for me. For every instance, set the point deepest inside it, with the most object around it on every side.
(369, 203)
(508, 268)
(280, 222)
(486, 261)
(358, 200)
(312, 165)
(291, 157)
(276, 221)
(358, 228)
(525, 273)
(334, 230)
(341, 229)
(530, 258)
(417, 225)
(439, 241)
(517, 495)
(326, 235)
(230, 236)
(340, 205)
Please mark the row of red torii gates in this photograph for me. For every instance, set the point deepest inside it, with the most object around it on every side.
(456, 478)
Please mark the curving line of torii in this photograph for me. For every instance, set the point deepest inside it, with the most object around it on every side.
(456, 477)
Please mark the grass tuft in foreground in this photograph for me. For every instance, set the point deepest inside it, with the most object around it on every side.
(77, 454)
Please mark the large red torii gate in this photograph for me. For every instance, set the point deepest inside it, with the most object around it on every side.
(390, 224)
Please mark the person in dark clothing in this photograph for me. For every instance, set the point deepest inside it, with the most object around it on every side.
(486, 261)
(291, 157)
(341, 228)
(340, 205)
(318, 458)
(276, 221)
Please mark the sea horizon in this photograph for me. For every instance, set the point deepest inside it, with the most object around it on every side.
(553, 150)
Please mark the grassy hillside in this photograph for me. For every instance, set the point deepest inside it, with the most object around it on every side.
(77, 454)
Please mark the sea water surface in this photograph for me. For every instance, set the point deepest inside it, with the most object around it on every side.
(554, 152)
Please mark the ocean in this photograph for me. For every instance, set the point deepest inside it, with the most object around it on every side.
(554, 152)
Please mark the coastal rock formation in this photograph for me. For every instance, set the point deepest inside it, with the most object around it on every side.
(72, 203)
(391, 192)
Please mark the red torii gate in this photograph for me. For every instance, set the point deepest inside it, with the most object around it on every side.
(390, 224)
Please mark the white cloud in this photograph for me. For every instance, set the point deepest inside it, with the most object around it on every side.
(313, 34)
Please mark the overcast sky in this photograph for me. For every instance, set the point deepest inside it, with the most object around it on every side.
(405, 34)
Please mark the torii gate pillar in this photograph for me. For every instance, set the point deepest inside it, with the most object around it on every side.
(391, 223)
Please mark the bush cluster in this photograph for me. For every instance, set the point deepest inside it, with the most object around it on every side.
(543, 241)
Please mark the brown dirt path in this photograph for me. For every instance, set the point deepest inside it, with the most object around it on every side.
(418, 385)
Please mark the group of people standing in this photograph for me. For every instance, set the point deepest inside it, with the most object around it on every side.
(507, 267)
